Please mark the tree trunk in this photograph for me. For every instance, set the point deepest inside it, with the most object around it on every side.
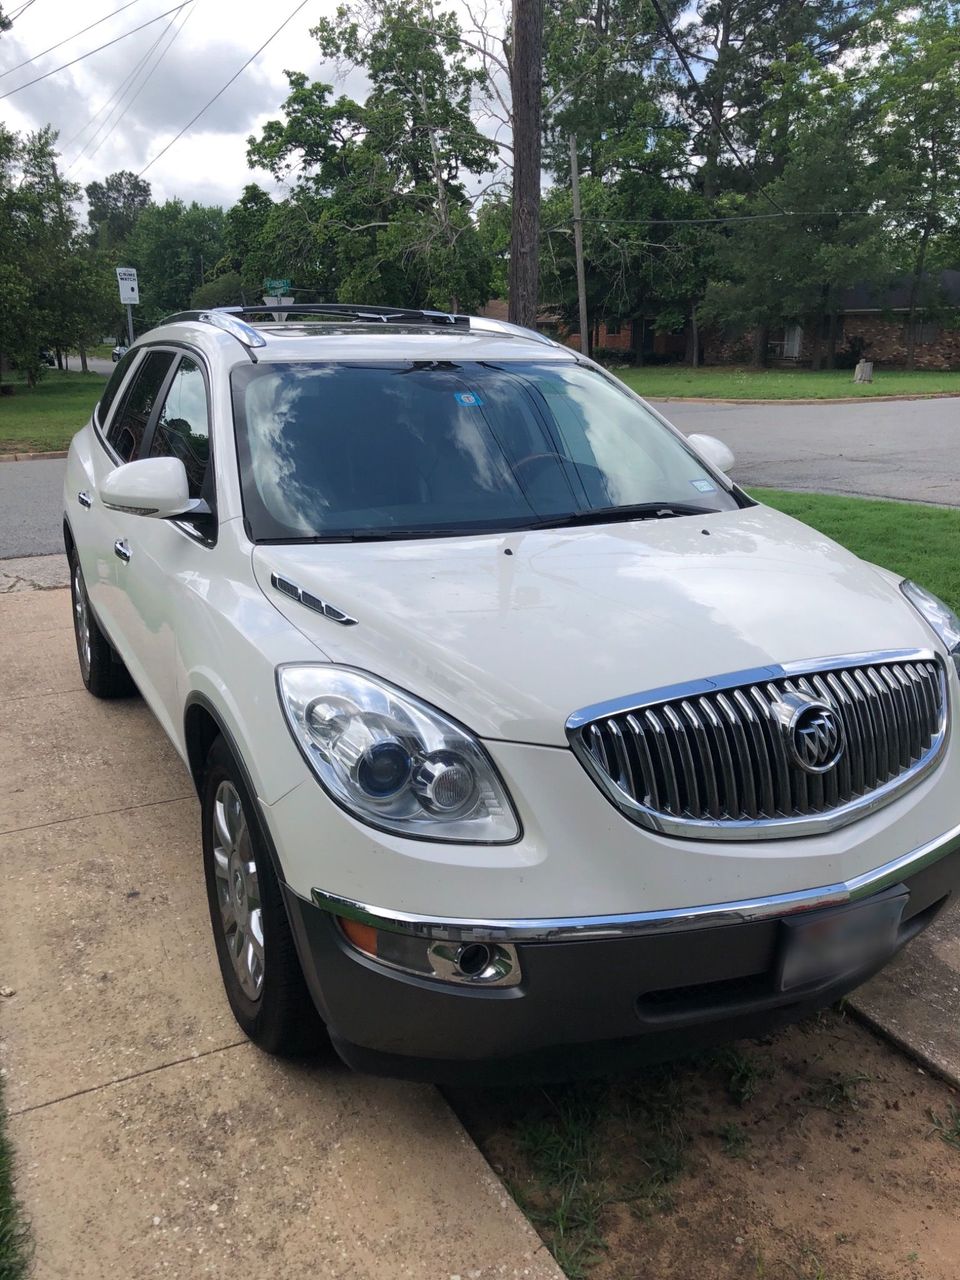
(712, 150)
(832, 339)
(761, 336)
(526, 84)
(693, 339)
(815, 350)
(83, 360)
(914, 295)
(59, 354)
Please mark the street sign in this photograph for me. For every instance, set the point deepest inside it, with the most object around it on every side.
(274, 287)
(278, 301)
(129, 289)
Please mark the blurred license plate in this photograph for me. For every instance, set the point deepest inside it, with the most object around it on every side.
(838, 942)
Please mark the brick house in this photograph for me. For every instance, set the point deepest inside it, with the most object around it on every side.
(872, 322)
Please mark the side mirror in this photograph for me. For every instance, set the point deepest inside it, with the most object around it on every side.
(713, 450)
(149, 487)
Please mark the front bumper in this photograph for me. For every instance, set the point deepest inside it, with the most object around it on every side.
(608, 996)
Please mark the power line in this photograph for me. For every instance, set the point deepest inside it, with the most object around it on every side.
(224, 88)
(742, 217)
(107, 108)
(21, 11)
(133, 90)
(148, 77)
(116, 40)
(714, 115)
(67, 39)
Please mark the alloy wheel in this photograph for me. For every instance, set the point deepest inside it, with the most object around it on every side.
(238, 891)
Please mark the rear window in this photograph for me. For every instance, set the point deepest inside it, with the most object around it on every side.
(114, 382)
(424, 447)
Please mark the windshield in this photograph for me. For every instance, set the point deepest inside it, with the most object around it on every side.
(432, 447)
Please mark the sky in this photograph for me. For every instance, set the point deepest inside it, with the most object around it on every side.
(125, 128)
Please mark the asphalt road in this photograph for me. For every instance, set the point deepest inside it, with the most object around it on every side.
(907, 449)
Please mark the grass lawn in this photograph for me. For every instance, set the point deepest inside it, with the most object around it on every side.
(663, 381)
(13, 1237)
(44, 418)
(920, 542)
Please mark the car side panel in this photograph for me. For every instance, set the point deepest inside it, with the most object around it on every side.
(93, 526)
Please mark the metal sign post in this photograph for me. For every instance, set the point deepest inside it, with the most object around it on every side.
(129, 295)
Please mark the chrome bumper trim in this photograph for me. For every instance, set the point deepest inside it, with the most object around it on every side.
(674, 920)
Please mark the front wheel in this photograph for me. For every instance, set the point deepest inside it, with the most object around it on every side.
(258, 959)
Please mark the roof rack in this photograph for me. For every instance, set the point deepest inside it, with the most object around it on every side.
(230, 319)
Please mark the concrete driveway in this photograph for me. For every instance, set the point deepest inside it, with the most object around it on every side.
(151, 1138)
(907, 449)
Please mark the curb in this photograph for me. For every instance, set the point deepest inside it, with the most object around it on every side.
(32, 457)
(907, 1046)
(922, 395)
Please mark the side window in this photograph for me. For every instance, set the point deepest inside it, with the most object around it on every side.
(133, 413)
(113, 385)
(183, 429)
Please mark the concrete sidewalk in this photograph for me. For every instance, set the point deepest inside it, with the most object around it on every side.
(151, 1138)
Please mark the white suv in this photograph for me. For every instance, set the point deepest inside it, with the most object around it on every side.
(524, 738)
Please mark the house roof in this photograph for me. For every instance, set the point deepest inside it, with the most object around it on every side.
(943, 289)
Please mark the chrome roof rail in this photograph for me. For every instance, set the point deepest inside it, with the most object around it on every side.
(487, 324)
(230, 320)
(224, 318)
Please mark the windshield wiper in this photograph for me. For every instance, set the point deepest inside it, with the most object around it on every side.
(609, 515)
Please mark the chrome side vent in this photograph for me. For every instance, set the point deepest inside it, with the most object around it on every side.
(311, 601)
(778, 752)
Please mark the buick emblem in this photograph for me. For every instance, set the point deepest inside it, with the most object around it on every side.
(812, 730)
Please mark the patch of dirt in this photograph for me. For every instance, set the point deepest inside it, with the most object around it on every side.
(813, 1155)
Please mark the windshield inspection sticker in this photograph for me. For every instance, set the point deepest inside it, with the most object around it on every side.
(468, 398)
(705, 486)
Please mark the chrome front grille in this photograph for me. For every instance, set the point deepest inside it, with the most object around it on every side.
(718, 758)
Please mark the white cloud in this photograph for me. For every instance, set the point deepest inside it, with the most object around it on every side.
(217, 36)
(102, 130)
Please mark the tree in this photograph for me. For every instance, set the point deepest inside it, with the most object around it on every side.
(225, 290)
(114, 206)
(774, 268)
(915, 96)
(379, 208)
(173, 246)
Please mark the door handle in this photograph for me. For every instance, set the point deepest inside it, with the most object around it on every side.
(84, 499)
(121, 549)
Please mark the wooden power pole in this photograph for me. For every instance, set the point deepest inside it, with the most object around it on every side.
(578, 247)
(526, 86)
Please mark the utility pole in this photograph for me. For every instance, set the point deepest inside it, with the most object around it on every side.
(526, 87)
(578, 247)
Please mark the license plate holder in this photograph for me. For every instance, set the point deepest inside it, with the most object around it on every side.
(836, 943)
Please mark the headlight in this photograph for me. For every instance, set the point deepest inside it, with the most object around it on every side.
(392, 760)
(938, 615)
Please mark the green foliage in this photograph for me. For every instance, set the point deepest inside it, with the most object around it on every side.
(173, 246)
(378, 209)
(56, 289)
(225, 290)
(114, 205)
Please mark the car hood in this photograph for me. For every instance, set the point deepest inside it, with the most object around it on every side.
(511, 633)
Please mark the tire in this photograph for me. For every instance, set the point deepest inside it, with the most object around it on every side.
(258, 959)
(101, 668)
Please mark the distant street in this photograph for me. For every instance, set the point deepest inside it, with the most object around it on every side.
(908, 449)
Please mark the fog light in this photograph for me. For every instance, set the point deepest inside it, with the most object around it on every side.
(475, 964)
